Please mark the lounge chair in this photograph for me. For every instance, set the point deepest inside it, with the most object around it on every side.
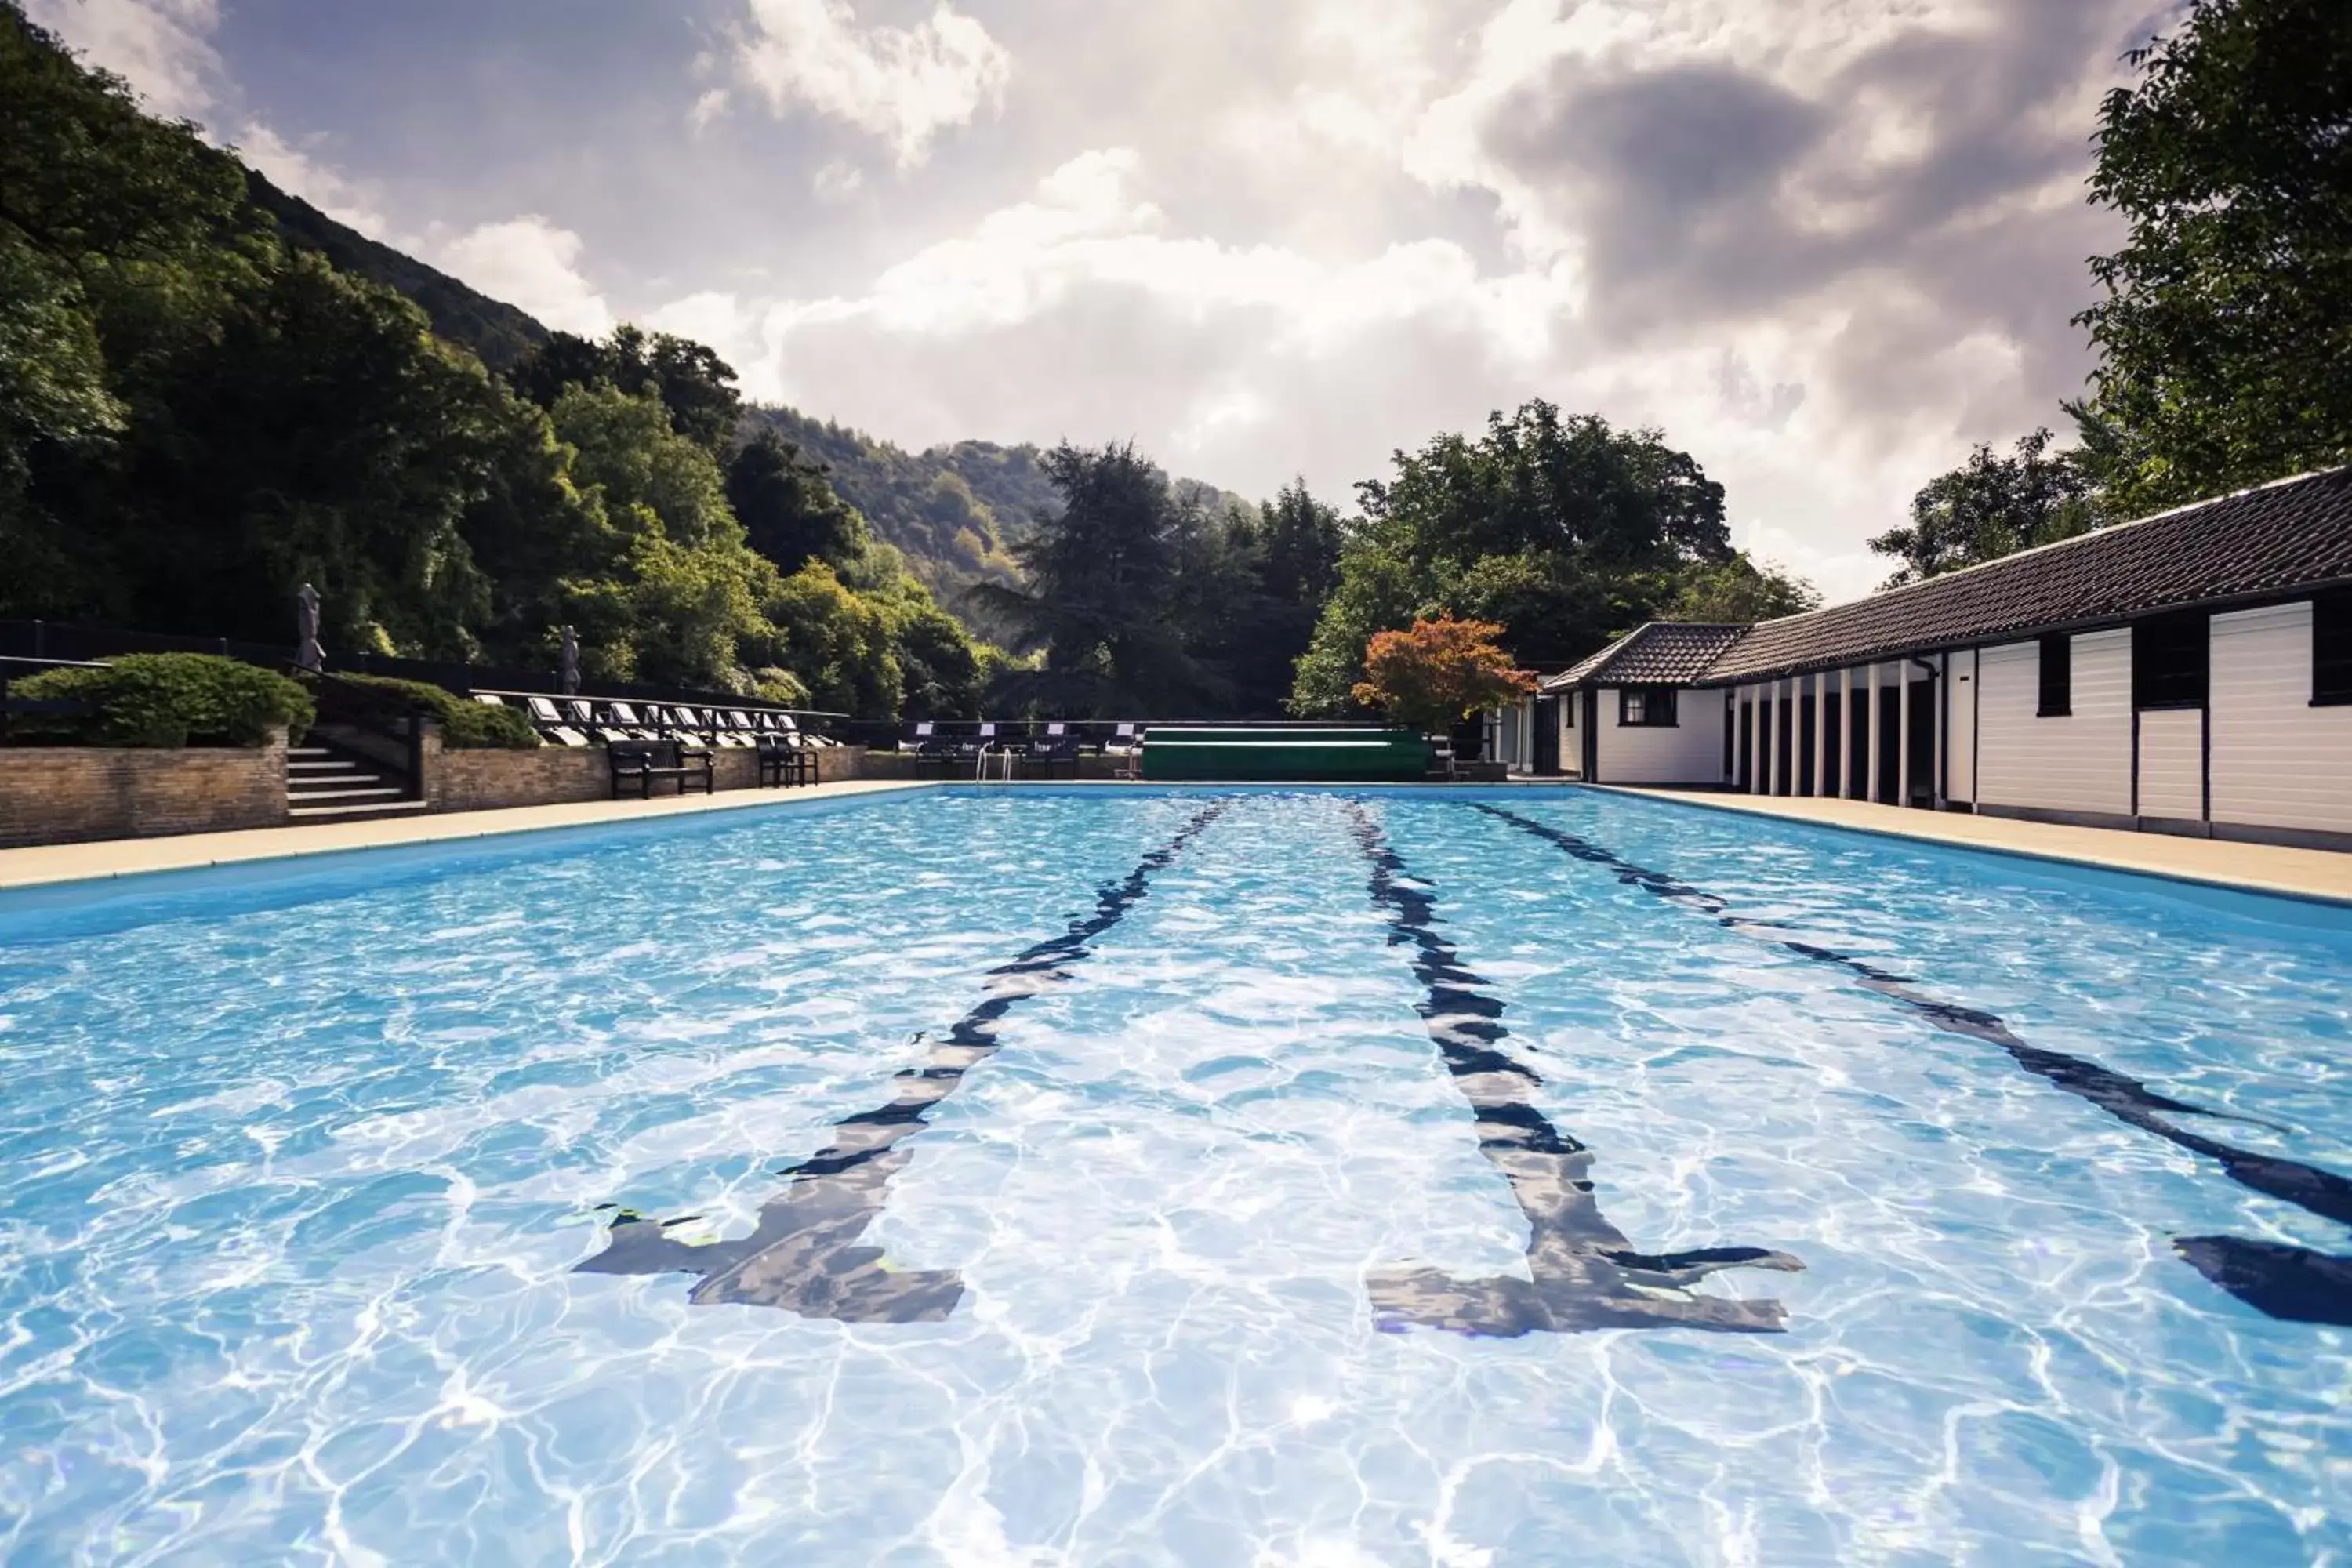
(584, 719)
(632, 727)
(1057, 748)
(549, 720)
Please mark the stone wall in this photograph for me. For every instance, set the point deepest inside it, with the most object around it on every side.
(73, 795)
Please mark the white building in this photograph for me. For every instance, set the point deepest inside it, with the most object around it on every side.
(2187, 673)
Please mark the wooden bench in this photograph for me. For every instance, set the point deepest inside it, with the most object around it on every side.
(782, 762)
(646, 761)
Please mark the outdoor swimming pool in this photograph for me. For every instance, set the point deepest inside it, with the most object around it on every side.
(1196, 1176)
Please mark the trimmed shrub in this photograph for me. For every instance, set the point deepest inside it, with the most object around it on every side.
(466, 724)
(167, 699)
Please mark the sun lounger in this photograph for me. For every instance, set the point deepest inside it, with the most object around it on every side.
(549, 720)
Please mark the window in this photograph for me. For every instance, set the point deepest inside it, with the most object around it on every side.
(2331, 649)
(2170, 658)
(1646, 707)
(2057, 676)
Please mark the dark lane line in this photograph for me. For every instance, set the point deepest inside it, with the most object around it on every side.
(1585, 1273)
(805, 1254)
(2281, 1280)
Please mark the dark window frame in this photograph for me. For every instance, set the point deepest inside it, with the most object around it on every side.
(1650, 718)
(2173, 661)
(2331, 649)
(2055, 696)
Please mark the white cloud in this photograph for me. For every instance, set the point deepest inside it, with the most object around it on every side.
(708, 107)
(531, 263)
(163, 48)
(838, 181)
(904, 85)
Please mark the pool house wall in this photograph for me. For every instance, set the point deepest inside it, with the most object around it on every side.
(2259, 759)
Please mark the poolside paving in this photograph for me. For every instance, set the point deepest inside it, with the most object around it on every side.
(2324, 874)
(2260, 868)
(50, 863)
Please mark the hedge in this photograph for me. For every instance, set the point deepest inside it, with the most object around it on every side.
(466, 724)
(166, 700)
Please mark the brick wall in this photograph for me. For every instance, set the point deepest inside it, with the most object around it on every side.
(489, 780)
(72, 794)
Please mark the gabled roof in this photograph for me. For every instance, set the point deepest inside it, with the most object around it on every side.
(1662, 652)
(2294, 534)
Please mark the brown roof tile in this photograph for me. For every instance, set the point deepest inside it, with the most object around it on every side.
(1660, 652)
(2295, 534)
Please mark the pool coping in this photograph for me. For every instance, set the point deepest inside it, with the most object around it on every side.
(2312, 876)
(53, 865)
(2319, 876)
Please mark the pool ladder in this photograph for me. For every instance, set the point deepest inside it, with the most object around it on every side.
(1005, 761)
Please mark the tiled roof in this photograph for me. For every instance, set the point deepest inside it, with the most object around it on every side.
(1662, 652)
(2296, 533)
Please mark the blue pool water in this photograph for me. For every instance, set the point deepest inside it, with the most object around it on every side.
(1201, 1177)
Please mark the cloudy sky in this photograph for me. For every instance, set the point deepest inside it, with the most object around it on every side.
(1825, 245)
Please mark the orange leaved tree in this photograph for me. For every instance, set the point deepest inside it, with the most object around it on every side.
(1439, 672)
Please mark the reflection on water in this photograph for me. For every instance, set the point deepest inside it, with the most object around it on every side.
(805, 1254)
(1584, 1272)
(2286, 1281)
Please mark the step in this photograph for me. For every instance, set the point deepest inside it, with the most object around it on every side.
(317, 781)
(379, 791)
(309, 752)
(361, 808)
(314, 764)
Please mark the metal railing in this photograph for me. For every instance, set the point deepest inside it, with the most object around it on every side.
(64, 643)
(14, 668)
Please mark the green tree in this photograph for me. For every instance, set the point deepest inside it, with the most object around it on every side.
(1104, 601)
(1560, 530)
(838, 642)
(120, 237)
(1739, 590)
(788, 511)
(694, 385)
(1992, 506)
(692, 586)
(2225, 331)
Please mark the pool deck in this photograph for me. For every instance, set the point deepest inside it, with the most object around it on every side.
(46, 864)
(2321, 874)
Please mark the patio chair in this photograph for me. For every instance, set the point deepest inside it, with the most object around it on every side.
(548, 721)
(632, 727)
(1056, 749)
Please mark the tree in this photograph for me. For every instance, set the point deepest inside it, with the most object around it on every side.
(789, 514)
(1106, 601)
(1739, 590)
(1562, 530)
(1436, 673)
(695, 387)
(2225, 332)
(1990, 507)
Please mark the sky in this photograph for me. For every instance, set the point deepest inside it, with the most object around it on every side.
(1824, 245)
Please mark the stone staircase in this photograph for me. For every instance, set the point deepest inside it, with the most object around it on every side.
(326, 784)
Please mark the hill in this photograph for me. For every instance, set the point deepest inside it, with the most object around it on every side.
(498, 333)
(953, 510)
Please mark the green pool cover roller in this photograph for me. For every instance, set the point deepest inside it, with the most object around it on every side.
(1300, 756)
